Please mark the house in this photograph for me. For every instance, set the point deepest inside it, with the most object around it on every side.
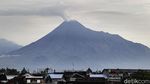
(117, 75)
(10, 78)
(30, 79)
(98, 76)
(3, 79)
(26, 79)
(77, 77)
(82, 77)
(123, 71)
(74, 75)
(54, 78)
(97, 79)
(114, 75)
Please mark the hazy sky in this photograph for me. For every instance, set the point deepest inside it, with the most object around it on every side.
(24, 21)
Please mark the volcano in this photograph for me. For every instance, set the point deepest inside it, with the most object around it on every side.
(72, 45)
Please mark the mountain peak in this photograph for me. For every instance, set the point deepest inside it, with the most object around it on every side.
(71, 27)
(71, 24)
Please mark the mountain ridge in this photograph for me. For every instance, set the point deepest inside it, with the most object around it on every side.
(72, 43)
(7, 46)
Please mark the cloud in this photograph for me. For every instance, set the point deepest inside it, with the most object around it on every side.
(108, 12)
(8, 56)
(58, 9)
(26, 18)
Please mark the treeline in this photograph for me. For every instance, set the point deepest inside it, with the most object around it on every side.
(9, 71)
(12, 71)
(141, 74)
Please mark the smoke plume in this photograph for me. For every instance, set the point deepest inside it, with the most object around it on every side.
(55, 10)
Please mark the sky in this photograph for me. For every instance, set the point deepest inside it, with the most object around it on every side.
(25, 21)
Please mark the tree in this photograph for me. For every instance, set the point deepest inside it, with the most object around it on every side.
(24, 71)
(9, 71)
(12, 71)
(141, 74)
(89, 70)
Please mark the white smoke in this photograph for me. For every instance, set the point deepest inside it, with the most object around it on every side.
(65, 17)
(54, 10)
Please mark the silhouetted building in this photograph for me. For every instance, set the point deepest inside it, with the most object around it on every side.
(54, 78)
(3, 79)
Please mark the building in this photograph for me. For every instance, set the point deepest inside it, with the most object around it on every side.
(30, 79)
(82, 77)
(54, 78)
(115, 76)
(3, 79)
(97, 79)
(26, 79)
(10, 78)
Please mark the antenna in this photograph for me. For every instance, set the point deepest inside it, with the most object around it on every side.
(73, 66)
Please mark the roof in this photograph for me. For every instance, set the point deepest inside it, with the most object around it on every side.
(34, 77)
(98, 76)
(126, 70)
(55, 75)
(9, 77)
(30, 76)
(76, 75)
(27, 74)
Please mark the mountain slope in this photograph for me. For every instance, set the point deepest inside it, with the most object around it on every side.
(7, 46)
(73, 44)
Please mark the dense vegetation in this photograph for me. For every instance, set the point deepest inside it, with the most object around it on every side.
(141, 74)
(9, 71)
